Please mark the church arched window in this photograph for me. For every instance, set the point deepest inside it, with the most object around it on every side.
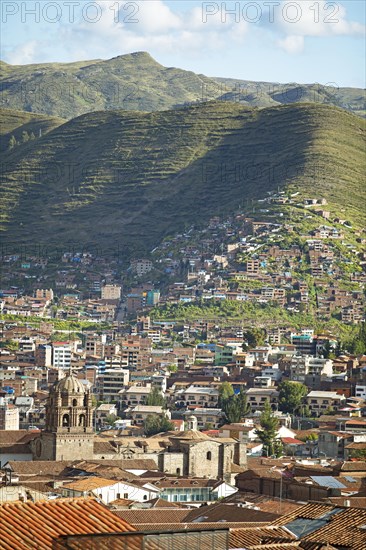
(209, 455)
(82, 420)
(65, 421)
(74, 402)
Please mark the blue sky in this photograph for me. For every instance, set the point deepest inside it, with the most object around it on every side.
(280, 40)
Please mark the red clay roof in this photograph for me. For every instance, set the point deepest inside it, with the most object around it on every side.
(34, 525)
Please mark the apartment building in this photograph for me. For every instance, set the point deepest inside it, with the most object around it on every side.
(320, 401)
(111, 383)
(61, 355)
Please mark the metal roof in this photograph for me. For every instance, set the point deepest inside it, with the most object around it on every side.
(328, 481)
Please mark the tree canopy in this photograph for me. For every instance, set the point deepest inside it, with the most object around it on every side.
(291, 395)
(156, 398)
(157, 424)
(268, 432)
(234, 406)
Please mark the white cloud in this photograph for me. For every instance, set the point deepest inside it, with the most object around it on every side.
(159, 29)
(292, 44)
(320, 18)
(24, 53)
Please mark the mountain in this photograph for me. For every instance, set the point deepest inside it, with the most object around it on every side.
(124, 180)
(14, 123)
(139, 83)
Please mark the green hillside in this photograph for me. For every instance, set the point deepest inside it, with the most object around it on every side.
(14, 123)
(139, 83)
(126, 179)
(266, 94)
(132, 82)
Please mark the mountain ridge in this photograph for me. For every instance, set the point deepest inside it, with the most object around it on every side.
(136, 81)
(130, 178)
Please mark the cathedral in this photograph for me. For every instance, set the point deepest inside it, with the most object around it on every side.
(69, 432)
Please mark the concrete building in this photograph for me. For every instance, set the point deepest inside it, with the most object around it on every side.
(258, 396)
(9, 416)
(112, 382)
(139, 413)
(111, 292)
(43, 356)
(134, 395)
(320, 401)
(61, 355)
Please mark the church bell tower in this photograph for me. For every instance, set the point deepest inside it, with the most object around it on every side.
(69, 433)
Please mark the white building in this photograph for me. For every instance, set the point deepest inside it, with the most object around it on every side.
(139, 413)
(307, 365)
(109, 490)
(61, 355)
(360, 391)
(134, 395)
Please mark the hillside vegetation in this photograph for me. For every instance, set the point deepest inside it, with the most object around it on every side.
(125, 179)
(13, 124)
(139, 83)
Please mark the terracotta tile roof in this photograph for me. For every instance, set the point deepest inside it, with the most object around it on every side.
(17, 437)
(243, 538)
(38, 467)
(356, 466)
(357, 445)
(89, 483)
(229, 512)
(34, 525)
(278, 546)
(153, 515)
(125, 464)
(343, 527)
(354, 502)
(161, 503)
(206, 526)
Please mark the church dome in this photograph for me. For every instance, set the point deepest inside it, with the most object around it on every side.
(69, 384)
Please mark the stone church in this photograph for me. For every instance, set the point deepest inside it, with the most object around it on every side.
(69, 432)
(69, 435)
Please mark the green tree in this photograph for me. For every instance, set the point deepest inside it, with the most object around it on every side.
(268, 432)
(244, 405)
(291, 395)
(156, 398)
(172, 368)
(10, 345)
(12, 142)
(231, 408)
(25, 137)
(225, 392)
(157, 424)
(253, 337)
(110, 419)
(234, 406)
(32, 136)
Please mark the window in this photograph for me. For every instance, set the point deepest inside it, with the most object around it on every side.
(125, 495)
(209, 455)
(66, 420)
(145, 497)
(118, 496)
(74, 402)
(177, 471)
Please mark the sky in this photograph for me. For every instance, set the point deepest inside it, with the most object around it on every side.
(285, 41)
